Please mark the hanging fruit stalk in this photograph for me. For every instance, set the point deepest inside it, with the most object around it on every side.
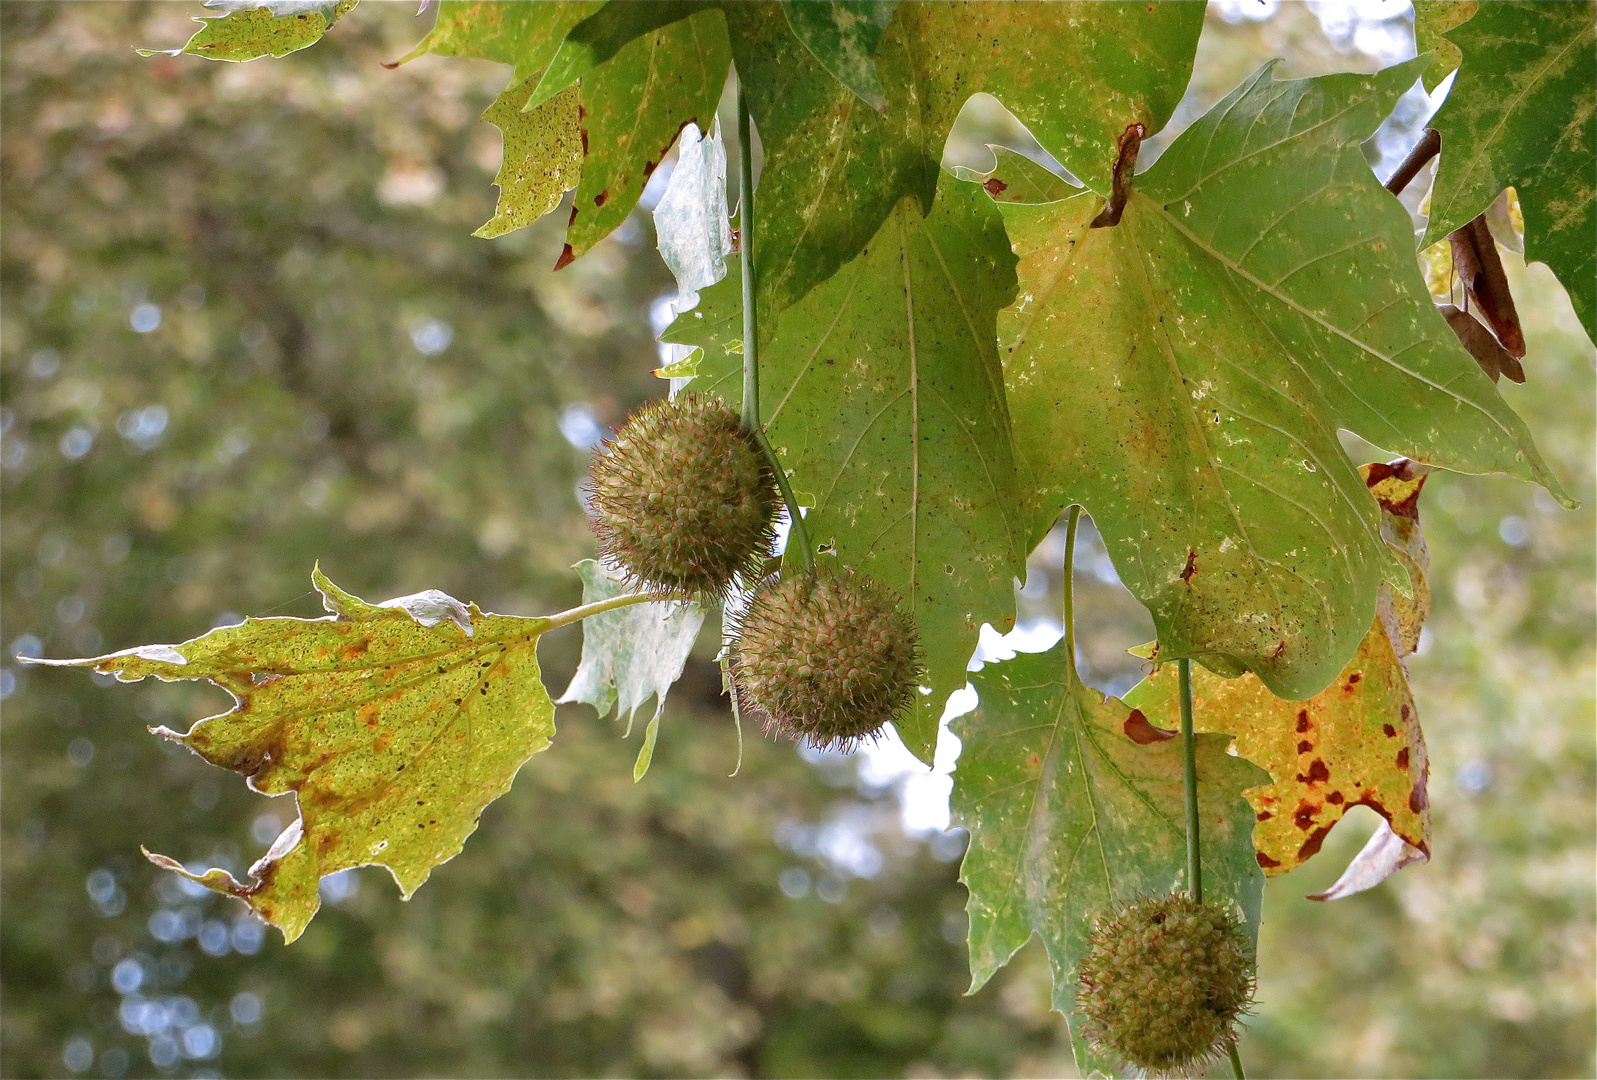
(751, 326)
(1165, 978)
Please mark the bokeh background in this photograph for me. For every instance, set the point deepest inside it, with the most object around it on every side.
(245, 328)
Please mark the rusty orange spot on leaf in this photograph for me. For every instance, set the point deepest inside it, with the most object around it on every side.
(1345, 734)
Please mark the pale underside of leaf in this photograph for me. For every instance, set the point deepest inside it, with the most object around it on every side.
(1384, 854)
(690, 221)
(393, 732)
(1069, 814)
(631, 654)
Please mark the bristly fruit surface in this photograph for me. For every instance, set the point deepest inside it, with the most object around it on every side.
(683, 499)
(1163, 982)
(827, 657)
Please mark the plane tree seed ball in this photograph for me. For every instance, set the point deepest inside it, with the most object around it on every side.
(826, 657)
(683, 499)
(1163, 983)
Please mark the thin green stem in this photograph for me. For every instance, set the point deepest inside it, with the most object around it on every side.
(1189, 743)
(1070, 587)
(599, 607)
(799, 535)
(1189, 746)
(751, 330)
(751, 320)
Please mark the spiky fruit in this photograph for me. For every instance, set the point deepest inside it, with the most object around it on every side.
(826, 657)
(683, 499)
(1163, 982)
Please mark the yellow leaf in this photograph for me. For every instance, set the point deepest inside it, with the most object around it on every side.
(1357, 743)
(393, 724)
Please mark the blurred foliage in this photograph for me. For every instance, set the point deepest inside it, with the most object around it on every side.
(245, 327)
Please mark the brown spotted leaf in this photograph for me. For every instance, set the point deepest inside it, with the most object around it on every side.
(1396, 488)
(542, 156)
(1356, 743)
(249, 31)
(395, 725)
(542, 144)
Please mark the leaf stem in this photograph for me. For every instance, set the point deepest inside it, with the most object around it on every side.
(1125, 165)
(1419, 157)
(1189, 744)
(751, 321)
(751, 328)
(1070, 588)
(599, 607)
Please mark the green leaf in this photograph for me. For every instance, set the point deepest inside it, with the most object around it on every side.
(631, 654)
(602, 34)
(1523, 112)
(524, 35)
(843, 35)
(633, 107)
(542, 145)
(1075, 74)
(882, 394)
(685, 368)
(542, 156)
(1015, 178)
(393, 724)
(834, 168)
(265, 28)
(1183, 375)
(1432, 19)
(1075, 803)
